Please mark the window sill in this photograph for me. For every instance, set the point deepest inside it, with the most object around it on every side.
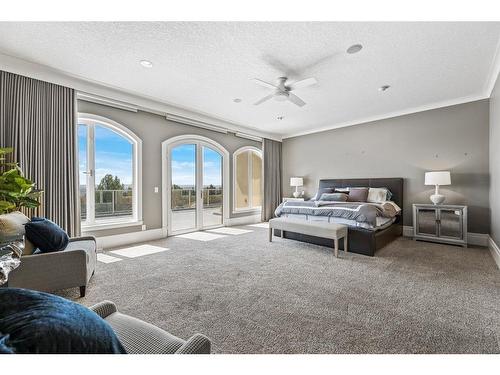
(254, 210)
(110, 225)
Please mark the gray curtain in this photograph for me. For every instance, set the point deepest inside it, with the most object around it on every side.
(38, 119)
(271, 151)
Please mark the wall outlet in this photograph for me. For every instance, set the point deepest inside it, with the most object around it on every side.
(157, 189)
(143, 227)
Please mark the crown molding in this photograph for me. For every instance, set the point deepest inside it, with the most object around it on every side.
(142, 102)
(408, 111)
(494, 72)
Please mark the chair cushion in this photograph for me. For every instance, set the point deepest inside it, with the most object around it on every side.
(46, 235)
(139, 337)
(12, 227)
(35, 322)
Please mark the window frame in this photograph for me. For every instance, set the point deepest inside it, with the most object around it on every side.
(250, 207)
(91, 120)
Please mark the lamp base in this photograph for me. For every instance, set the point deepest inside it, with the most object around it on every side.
(437, 198)
(296, 194)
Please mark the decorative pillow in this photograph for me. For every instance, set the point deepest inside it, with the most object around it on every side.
(334, 197)
(12, 227)
(46, 235)
(321, 192)
(358, 194)
(377, 195)
(34, 322)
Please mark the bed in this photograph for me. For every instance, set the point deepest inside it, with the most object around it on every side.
(364, 238)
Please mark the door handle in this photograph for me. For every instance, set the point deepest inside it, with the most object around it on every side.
(90, 172)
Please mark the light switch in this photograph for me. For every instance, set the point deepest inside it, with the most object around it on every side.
(156, 189)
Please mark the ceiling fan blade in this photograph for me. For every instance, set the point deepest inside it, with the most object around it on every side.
(265, 98)
(296, 100)
(303, 83)
(265, 84)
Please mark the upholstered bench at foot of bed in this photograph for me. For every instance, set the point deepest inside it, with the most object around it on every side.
(331, 231)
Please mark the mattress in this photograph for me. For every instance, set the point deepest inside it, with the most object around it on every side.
(381, 222)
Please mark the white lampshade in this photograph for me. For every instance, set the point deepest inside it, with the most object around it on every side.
(437, 178)
(296, 181)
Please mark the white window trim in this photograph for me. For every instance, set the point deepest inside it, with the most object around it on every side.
(250, 207)
(167, 175)
(91, 120)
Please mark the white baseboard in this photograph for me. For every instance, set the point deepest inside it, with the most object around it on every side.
(494, 250)
(106, 242)
(250, 219)
(477, 239)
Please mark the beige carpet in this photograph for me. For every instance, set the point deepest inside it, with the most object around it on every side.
(250, 296)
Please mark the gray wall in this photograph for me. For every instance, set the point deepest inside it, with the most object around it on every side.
(153, 130)
(495, 162)
(452, 138)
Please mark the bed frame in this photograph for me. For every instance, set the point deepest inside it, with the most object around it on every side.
(363, 241)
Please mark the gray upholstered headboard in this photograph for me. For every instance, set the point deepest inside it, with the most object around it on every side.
(395, 185)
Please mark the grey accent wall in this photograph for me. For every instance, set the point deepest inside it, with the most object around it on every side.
(495, 162)
(453, 138)
(153, 130)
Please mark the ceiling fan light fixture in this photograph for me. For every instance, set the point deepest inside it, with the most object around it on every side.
(355, 48)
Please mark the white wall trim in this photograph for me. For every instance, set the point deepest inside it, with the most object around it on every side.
(494, 250)
(126, 97)
(107, 242)
(477, 239)
(243, 220)
(385, 116)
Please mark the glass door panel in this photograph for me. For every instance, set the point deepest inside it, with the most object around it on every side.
(212, 188)
(426, 221)
(113, 174)
(450, 223)
(183, 188)
(83, 169)
(242, 189)
(256, 180)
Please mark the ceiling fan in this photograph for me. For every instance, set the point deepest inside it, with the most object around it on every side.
(283, 91)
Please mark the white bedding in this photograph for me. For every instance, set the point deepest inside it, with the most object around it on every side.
(382, 222)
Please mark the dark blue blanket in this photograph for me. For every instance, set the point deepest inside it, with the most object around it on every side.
(36, 322)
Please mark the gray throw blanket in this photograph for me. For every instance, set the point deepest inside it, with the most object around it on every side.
(358, 211)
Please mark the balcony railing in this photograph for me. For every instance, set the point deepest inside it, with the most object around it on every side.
(111, 203)
(185, 199)
(108, 203)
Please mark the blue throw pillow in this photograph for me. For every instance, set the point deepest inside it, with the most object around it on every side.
(35, 322)
(46, 235)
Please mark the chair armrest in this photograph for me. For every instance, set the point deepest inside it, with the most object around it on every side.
(104, 308)
(197, 344)
(83, 238)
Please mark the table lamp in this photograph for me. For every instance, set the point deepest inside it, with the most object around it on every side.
(437, 179)
(296, 181)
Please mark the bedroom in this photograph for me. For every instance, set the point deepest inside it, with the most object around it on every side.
(279, 187)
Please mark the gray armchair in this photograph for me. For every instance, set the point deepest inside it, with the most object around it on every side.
(139, 337)
(47, 272)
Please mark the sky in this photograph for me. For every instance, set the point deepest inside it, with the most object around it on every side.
(183, 166)
(114, 156)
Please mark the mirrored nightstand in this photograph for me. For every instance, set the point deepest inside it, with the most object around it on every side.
(440, 223)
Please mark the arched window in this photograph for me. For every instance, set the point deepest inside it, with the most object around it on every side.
(247, 179)
(109, 174)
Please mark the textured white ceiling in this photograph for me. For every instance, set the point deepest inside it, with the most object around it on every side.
(204, 66)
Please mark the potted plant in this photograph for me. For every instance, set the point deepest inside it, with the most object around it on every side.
(16, 191)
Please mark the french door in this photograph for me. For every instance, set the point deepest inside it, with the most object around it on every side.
(195, 198)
